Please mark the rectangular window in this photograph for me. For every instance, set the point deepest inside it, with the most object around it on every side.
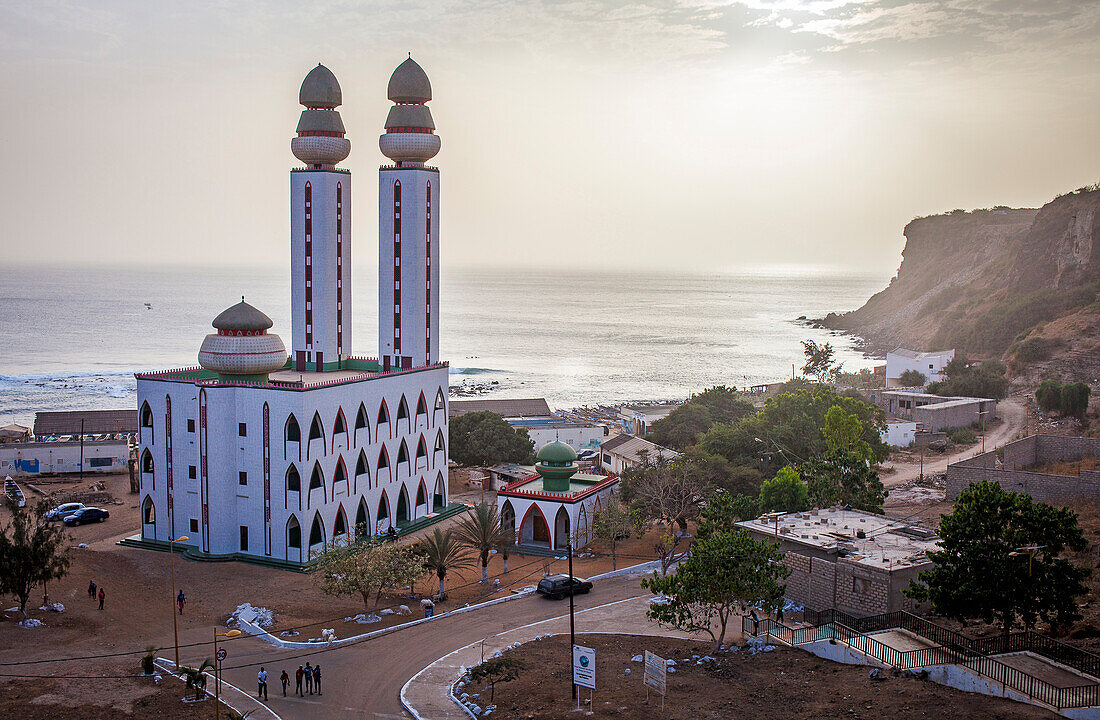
(99, 462)
(194, 525)
(242, 478)
(190, 425)
(191, 472)
(242, 429)
(244, 538)
(860, 586)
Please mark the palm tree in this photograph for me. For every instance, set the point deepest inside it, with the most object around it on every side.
(442, 553)
(507, 545)
(480, 531)
(196, 677)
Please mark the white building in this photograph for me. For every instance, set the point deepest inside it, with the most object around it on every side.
(899, 433)
(623, 452)
(543, 431)
(255, 455)
(637, 419)
(63, 455)
(929, 364)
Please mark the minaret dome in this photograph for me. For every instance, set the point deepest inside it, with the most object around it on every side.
(410, 137)
(320, 142)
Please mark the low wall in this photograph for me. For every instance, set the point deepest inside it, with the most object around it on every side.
(1030, 451)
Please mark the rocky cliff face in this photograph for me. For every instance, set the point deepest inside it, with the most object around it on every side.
(988, 282)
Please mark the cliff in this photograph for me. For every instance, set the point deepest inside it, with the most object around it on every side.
(1017, 284)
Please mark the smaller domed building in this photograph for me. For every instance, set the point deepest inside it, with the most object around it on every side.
(555, 503)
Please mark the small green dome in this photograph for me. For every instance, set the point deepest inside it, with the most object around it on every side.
(557, 452)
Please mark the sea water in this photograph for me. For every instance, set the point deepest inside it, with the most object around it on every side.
(72, 337)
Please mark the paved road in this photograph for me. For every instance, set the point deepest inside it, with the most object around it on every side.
(1010, 410)
(364, 680)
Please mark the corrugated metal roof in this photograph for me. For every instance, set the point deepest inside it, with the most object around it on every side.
(67, 422)
(528, 407)
(632, 448)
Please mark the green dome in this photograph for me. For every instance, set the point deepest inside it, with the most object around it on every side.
(556, 452)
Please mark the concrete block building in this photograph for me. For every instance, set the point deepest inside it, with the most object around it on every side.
(258, 454)
(929, 364)
(935, 412)
(852, 561)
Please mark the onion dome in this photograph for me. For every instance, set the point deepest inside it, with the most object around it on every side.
(409, 84)
(320, 89)
(320, 141)
(410, 137)
(242, 348)
(557, 462)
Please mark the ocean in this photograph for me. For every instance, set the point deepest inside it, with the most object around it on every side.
(72, 337)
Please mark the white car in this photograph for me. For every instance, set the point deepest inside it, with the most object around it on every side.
(63, 511)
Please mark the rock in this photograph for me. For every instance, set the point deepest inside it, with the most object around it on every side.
(626, 671)
(672, 670)
(386, 611)
(404, 610)
(670, 662)
(82, 545)
(637, 658)
(498, 653)
(31, 623)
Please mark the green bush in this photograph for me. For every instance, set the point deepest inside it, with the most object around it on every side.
(1034, 349)
(1049, 396)
(962, 436)
(912, 378)
(1075, 399)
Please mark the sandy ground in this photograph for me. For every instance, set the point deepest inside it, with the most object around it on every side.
(777, 685)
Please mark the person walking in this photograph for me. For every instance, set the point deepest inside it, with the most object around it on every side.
(317, 677)
(298, 682)
(309, 679)
(91, 589)
(261, 679)
(285, 680)
(103, 595)
(180, 599)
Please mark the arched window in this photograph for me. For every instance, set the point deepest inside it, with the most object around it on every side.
(507, 520)
(317, 478)
(439, 443)
(361, 424)
(439, 497)
(421, 449)
(317, 532)
(362, 470)
(362, 520)
(421, 406)
(292, 431)
(293, 534)
(338, 425)
(383, 414)
(383, 459)
(339, 526)
(440, 400)
(402, 453)
(293, 480)
(421, 495)
(147, 461)
(561, 529)
(402, 514)
(340, 476)
(149, 512)
(146, 416)
(402, 410)
(383, 514)
(316, 430)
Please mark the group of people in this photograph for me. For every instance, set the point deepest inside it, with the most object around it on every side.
(92, 593)
(311, 676)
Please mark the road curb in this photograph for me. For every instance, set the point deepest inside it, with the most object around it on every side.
(166, 665)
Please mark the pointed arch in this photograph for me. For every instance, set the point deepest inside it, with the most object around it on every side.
(403, 457)
(439, 496)
(403, 414)
(582, 525)
(402, 514)
(147, 465)
(561, 528)
(383, 514)
(339, 425)
(534, 530)
(340, 475)
(421, 452)
(382, 419)
(440, 403)
(316, 480)
(148, 519)
(147, 422)
(292, 484)
(362, 469)
(508, 520)
(340, 526)
(422, 409)
(316, 534)
(316, 432)
(292, 433)
(362, 520)
(293, 539)
(382, 467)
(421, 499)
(361, 423)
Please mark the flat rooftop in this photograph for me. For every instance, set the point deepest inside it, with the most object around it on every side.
(886, 544)
(356, 370)
(580, 485)
(546, 422)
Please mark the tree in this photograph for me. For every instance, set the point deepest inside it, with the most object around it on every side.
(683, 425)
(912, 378)
(614, 523)
(368, 570)
(1074, 399)
(494, 670)
(195, 678)
(32, 552)
(485, 438)
(1049, 396)
(442, 553)
(670, 494)
(722, 510)
(843, 432)
(843, 478)
(480, 531)
(983, 569)
(820, 361)
(985, 379)
(785, 492)
(724, 572)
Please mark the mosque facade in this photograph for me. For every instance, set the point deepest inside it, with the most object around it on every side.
(261, 453)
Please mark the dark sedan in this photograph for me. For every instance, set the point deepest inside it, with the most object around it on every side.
(87, 515)
(556, 587)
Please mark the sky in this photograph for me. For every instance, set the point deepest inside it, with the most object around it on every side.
(695, 135)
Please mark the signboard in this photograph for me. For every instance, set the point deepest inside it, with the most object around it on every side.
(222, 653)
(655, 674)
(584, 667)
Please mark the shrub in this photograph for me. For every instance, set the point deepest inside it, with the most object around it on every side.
(1034, 349)
(1075, 399)
(912, 378)
(962, 436)
(1049, 396)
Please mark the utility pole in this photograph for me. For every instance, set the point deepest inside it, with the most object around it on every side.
(572, 623)
(81, 450)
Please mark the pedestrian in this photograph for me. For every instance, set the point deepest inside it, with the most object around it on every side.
(261, 678)
(285, 680)
(298, 682)
(103, 595)
(180, 599)
(91, 589)
(779, 614)
(309, 679)
(755, 622)
(317, 677)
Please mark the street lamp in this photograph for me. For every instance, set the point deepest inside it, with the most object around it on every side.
(218, 657)
(1030, 551)
(983, 413)
(172, 575)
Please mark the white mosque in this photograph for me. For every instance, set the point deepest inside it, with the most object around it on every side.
(260, 455)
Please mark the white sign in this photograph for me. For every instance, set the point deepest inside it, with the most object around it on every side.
(656, 673)
(584, 667)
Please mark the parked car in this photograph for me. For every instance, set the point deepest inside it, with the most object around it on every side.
(588, 454)
(556, 587)
(63, 511)
(87, 515)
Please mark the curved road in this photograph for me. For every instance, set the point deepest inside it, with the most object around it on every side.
(364, 680)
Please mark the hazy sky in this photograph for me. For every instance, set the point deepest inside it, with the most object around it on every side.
(688, 134)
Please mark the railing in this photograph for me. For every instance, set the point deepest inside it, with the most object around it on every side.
(951, 648)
